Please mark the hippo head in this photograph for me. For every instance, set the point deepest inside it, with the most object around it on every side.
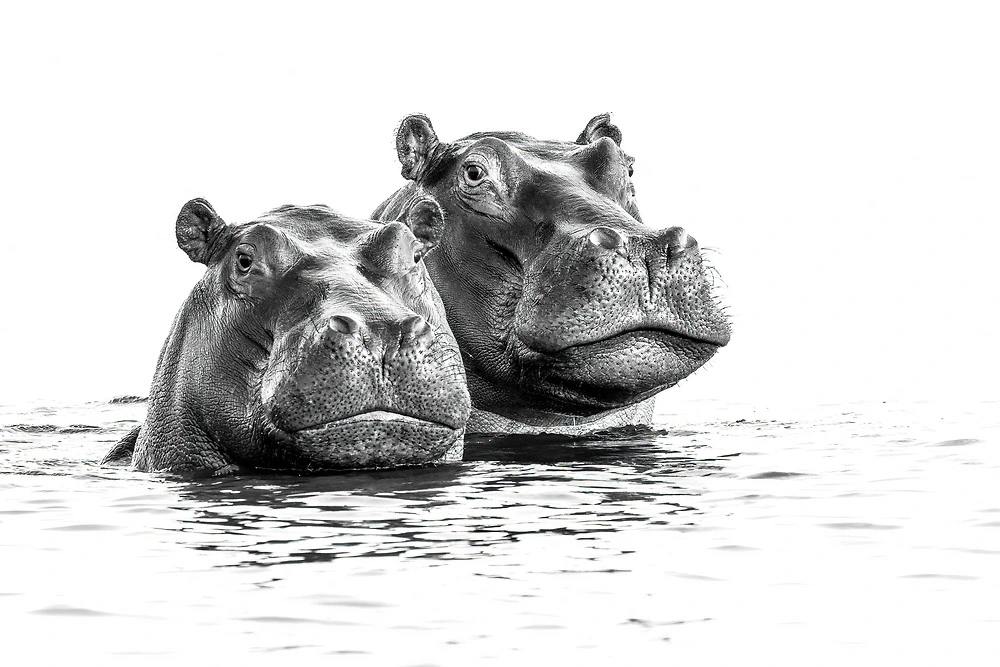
(562, 300)
(314, 341)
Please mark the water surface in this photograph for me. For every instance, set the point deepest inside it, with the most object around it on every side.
(805, 534)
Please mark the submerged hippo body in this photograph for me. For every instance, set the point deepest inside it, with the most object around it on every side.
(571, 314)
(313, 342)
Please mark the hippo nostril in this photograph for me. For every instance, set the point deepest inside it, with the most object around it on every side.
(607, 238)
(343, 324)
(414, 327)
(676, 240)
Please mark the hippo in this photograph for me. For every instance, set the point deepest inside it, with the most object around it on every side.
(313, 342)
(571, 314)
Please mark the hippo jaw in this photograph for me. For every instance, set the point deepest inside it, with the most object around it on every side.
(307, 432)
(375, 439)
(615, 372)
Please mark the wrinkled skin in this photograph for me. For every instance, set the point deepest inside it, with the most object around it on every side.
(571, 313)
(313, 342)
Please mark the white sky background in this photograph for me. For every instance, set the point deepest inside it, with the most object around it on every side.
(844, 160)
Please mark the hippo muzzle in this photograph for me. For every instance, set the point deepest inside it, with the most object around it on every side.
(609, 317)
(352, 394)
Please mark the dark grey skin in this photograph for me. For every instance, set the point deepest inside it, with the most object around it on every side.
(571, 313)
(313, 342)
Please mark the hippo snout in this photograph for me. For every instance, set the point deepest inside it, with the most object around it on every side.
(586, 292)
(382, 341)
(672, 242)
(354, 366)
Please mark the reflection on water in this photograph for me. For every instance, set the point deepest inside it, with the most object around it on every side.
(573, 487)
(856, 527)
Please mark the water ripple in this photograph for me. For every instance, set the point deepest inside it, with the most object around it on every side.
(733, 521)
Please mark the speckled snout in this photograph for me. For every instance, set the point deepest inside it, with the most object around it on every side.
(608, 281)
(350, 367)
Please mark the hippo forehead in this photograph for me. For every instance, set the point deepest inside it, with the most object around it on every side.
(318, 225)
(542, 150)
(546, 149)
(517, 158)
(316, 246)
(310, 237)
(545, 179)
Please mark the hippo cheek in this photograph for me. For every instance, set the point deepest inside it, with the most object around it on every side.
(576, 296)
(615, 372)
(314, 383)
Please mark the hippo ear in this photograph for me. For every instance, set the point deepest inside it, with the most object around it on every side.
(426, 220)
(415, 143)
(199, 228)
(598, 128)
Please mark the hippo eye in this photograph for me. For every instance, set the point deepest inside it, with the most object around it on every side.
(474, 173)
(244, 261)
